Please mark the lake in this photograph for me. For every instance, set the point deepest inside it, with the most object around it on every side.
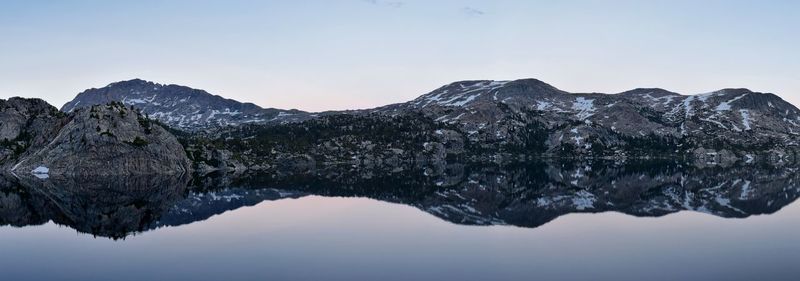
(529, 221)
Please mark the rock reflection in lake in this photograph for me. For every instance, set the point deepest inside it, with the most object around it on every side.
(525, 194)
(112, 207)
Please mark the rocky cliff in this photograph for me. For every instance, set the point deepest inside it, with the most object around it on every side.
(101, 140)
(26, 125)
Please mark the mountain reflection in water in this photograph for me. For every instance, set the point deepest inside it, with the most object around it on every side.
(525, 194)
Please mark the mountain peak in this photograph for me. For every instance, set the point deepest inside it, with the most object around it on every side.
(735, 91)
(531, 81)
(133, 82)
(180, 106)
(655, 92)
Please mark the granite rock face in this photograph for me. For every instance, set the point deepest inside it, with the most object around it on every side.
(107, 140)
(26, 125)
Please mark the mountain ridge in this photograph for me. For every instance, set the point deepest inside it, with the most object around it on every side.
(216, 110)
(180, 106)
(467, 121)
(483, 120)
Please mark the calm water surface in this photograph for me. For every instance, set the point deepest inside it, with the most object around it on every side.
(330, 233)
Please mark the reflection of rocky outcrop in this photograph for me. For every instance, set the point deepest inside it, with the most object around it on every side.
(532, 194)
(526, 194)
(16, 206)
(199, 206)
(104, 206)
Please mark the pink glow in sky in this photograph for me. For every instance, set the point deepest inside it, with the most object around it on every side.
(325, 55)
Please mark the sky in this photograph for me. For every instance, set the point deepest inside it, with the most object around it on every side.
(350, 54)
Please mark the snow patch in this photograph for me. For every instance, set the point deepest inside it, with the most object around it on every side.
(715, 122)
(577, 138)
(745, 118)
(463, 102)
(584, 107)
(687, 103)
(41, 170)
(134, 101)
(461, 97)
(745, 191)
(724, 106)
(583, 200)
(543, 105)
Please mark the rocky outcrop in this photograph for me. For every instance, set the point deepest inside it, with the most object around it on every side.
(107, 140)
(26, 125)
(182, 107)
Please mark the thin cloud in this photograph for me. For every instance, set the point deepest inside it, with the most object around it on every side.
(470, 11)
(392, 4)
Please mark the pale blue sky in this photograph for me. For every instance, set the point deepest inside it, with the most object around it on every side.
(341, 54)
